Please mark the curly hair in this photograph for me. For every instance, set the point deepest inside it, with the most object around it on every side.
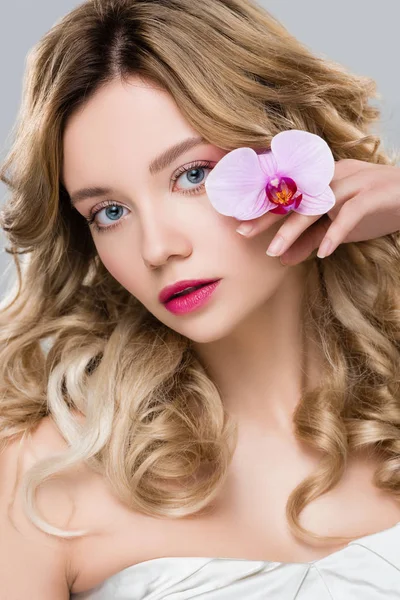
(74, 342)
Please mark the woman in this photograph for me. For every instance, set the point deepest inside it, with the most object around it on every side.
(243, 447)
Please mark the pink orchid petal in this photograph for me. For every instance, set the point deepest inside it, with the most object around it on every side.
(316, 205)
(306, 158)
(236, 185)
(268, 164)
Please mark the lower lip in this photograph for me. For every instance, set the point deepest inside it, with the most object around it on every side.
(190, 302)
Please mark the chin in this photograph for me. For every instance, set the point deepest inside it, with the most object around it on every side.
(205, 329)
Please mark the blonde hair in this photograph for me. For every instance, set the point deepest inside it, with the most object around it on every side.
(154, 421)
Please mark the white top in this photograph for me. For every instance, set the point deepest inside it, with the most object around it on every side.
(366, 569)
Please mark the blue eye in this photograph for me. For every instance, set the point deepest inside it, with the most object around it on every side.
(192, 170)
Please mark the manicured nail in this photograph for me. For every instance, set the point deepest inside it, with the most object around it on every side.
(276, 246)
(245, 228)
(325, 248)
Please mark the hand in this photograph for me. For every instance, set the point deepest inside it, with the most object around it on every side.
(367, 206)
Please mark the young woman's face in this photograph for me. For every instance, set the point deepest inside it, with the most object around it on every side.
(155, 232)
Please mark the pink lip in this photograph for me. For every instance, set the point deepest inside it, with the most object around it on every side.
(192, 301)
(169, 290)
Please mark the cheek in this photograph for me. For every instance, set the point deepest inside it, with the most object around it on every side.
(258, 274)
(248, 252)
(125, 269)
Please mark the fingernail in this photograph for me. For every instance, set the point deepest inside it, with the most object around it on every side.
(276, 246)
(245, 228)
(325, 248)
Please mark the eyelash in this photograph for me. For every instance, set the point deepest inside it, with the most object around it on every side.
(91, 219)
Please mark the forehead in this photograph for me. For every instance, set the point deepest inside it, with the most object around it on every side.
(121, 109)
(123, 121)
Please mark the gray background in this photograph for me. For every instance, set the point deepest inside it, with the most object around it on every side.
(363, 35)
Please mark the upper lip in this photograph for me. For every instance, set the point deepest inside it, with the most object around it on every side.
(170, 290)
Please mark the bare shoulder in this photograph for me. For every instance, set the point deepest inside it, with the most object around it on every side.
(80, 499)
(33, 563)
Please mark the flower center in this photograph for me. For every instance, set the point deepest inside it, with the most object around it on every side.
(281, 191)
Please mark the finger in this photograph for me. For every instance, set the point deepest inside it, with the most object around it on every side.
(253, 227)
(289, 232)
(348, 188)
(344, 227)
(352, 183)
(307, 242)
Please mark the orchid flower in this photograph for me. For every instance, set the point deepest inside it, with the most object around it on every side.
(294, 175)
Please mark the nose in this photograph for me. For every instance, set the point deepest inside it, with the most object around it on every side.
(163, 237)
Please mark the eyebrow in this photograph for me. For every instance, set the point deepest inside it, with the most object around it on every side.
(157, 165)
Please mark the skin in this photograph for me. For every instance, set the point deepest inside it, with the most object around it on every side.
(247, 336)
